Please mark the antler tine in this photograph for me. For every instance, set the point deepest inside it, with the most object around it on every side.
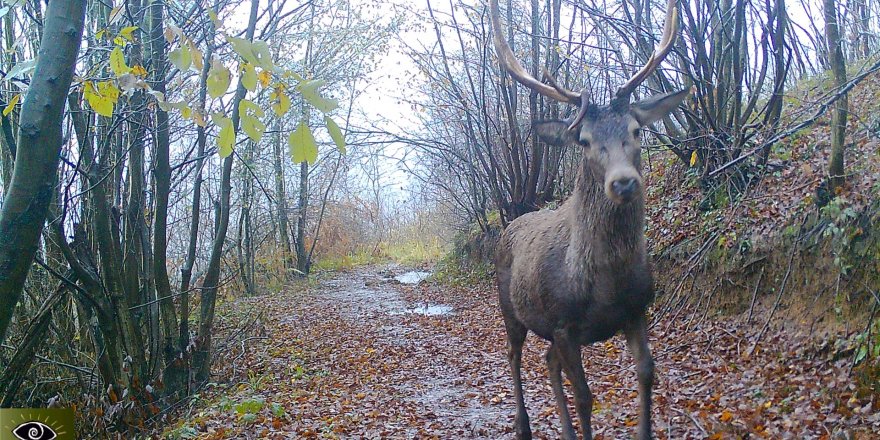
(517, 71)
(670, 30)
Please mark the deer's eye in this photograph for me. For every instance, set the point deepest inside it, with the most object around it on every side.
(636, 132)
(584, 143)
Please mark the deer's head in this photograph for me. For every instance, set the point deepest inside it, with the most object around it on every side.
(609, 134)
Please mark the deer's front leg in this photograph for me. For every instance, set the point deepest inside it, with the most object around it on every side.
(637, 341)
(570, 356)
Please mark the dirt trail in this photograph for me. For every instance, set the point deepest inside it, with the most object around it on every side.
(364, 356)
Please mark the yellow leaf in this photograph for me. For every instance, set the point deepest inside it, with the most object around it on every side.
(280, 101)
(302, 144)
(248, 113)
(197, 59)
(139, 70)
(219, 79)
(309, 90)
(119, 41)
(117, 62)
(265, 76)
(255, 52)
(102, 105)
(126, 32)
(249, 76)
(181, 58)
(335, 134)
(186, 112)
(11, 105)
(725, 416)
(694, 158)
(226, 137)
(109, 90)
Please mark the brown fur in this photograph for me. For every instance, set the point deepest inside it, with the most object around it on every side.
(580, 274)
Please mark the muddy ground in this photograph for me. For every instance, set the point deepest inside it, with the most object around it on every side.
(364, 355)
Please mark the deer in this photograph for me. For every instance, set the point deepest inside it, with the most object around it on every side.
(580, 274)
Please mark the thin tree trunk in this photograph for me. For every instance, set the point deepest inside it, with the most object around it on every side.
(39, 144)
(202, 355)
(186, 270)
(839, 116)
(162, 177)
(281, 201)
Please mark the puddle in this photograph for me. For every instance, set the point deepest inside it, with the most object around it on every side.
(427, 310)
(414, 277)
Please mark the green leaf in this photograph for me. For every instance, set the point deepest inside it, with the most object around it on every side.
(248, 114)
(263, 55)
(117, 62)
(226, 137)
(246, 107)
(243, 47)
(181, 57)
(249, 76)
(335, 134)
(219, 79)
(302, 144)
(256, 52)
(309, 90)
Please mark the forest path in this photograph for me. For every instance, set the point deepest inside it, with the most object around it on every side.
(364, 356)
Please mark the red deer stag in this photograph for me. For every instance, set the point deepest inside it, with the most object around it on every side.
(580, 274)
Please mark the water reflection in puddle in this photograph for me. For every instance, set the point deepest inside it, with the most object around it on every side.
(430, 310)
(414, 277)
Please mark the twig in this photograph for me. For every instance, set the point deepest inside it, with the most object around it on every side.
(794, 248)
(755, 297)
(696, 423)
(806, 123)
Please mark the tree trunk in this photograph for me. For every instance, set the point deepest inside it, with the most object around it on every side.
(839, 116)
(201, 140)
(162, 177)
(281, 201)
(39, 144)
(202, 354)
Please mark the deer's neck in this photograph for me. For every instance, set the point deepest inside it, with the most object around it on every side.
(604, 233)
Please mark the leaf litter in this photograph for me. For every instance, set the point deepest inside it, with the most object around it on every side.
(343, 361)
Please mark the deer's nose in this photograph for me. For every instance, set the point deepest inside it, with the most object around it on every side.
(625, 187)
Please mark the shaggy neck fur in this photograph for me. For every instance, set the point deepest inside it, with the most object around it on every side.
(603, 233)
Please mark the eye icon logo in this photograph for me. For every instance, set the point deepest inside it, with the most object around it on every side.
(34, 431)
(37, 424)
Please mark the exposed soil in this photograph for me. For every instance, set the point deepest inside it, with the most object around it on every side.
(364, 356)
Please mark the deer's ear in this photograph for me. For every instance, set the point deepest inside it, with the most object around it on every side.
(554, 133)
(653, 109)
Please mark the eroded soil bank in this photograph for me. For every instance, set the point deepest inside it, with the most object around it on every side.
(365, 355)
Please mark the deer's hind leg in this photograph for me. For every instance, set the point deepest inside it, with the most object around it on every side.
(516, 336)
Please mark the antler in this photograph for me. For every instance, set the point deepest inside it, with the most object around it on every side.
(670, 29)
(518, 72)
